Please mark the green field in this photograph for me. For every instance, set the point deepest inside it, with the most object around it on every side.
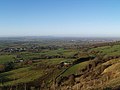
(28, 74)
(76, 68)
(6, 58)
(59, 52)
(19, 76)
(108, 50)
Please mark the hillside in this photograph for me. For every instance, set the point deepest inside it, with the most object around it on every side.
(101, 73)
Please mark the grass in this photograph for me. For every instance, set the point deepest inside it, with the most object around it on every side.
(114, 69)
(112, 61)
(22, 75)
(59, 52)
(53, 62)
(76, 68)
(114, 82)
(6, 58)
(58, 60)
(115, 66)
(28, 74)
(108, 50)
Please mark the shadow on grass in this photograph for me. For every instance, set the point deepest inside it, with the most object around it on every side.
(4, 78)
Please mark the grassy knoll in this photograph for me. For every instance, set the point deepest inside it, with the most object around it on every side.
(76, 68)
(114, 72)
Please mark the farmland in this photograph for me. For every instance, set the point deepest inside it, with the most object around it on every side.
(50, 64)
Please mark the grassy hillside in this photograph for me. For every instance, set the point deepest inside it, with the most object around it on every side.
(30, 73)
(18, 76)
(76, 68)
(100, 74)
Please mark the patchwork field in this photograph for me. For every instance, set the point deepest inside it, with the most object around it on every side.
(48, 67)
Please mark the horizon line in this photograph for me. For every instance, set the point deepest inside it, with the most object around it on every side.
(60, 36)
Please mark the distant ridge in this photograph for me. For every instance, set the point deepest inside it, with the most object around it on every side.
(37, 38)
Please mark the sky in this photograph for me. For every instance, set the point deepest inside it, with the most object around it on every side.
(81, 18)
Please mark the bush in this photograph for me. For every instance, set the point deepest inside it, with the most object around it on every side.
(2, 68)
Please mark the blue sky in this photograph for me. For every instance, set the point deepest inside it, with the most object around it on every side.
(82, 18)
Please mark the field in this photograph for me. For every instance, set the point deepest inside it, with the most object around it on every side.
(22, 75)
(76, 68)
(26, 65)
(29, 73)
(108, 50)
(6, 58)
